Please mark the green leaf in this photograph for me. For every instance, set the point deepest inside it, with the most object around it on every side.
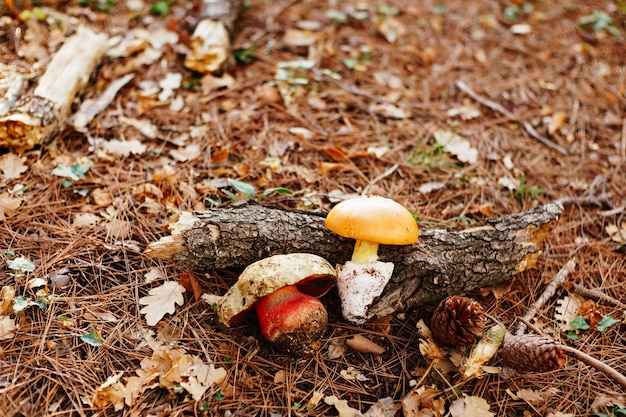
(388, 10)
(572, 336)
(605, 323)
(219, 396)
(511, 12)
(245, 55)
(74, 172)
(336, 16)
(349, 63)
(41, 303)
(599, 20)
(278, 190)
(359, 15)
(92, 339)
(161, 7)
(21, 303)
(242, 187)
(21, 264)
(580, 324)
(230, 195)
(82, 192)
(296, 405)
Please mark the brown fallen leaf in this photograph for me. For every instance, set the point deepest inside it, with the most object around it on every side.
(364, 345)
(191, 284)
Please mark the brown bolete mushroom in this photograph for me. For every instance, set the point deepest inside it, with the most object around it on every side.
(283, 289)
(371, 220)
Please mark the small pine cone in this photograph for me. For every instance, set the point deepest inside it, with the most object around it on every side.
(457, 321)
(532, 353)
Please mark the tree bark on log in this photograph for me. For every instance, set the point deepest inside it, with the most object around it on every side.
(33, 117)
(442, 263)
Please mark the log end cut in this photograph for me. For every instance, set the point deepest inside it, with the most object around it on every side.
(168, 246)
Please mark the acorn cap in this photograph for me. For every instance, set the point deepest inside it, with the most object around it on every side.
(373, 219)
(311, 274)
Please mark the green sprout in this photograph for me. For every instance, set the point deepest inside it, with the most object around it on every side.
(524, 190)
(161, 7)
(599, 21)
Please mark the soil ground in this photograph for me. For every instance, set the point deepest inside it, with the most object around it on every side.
(372, 104)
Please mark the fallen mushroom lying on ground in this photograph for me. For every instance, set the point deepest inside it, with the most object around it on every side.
(284, 291)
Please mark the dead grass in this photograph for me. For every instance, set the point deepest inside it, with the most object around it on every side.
(47, 370)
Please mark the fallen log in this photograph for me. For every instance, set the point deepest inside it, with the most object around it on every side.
(32, 116)
(443, 263)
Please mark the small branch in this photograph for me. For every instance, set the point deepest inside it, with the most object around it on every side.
(597, 295)
(497, 107)
(548, 292)
(596, 364)
(384, 175)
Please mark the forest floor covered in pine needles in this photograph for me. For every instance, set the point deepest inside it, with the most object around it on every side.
(537, 91)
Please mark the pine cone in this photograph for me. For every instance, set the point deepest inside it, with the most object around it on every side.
(457, 321)
(532, 353)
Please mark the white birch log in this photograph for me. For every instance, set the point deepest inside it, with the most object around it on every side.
(40, 112)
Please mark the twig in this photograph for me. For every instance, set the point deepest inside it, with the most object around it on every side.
(595, 363)
(548, 292)
(591, 198)
(598, 295)
(497, 107)
(385, 174)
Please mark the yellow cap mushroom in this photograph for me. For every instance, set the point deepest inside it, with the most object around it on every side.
(371, 220)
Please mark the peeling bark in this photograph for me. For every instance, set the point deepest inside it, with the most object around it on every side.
(442, 263)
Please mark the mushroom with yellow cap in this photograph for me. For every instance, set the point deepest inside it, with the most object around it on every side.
(284, 291)
(371, 220)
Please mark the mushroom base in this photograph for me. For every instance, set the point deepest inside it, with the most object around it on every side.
(306, 339)
(359, 285)
(292, 321)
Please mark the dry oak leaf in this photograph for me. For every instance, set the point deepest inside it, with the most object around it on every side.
(12, 166)
(8, 204)
(470, 406)
(112, 391)
(342, 407)
(423, 401)
(617, 234)
(567, 310)
(161, 301)
(7, 327)
(457, 146)
(7, 295)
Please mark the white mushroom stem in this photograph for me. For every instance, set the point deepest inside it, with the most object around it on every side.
(358, 285)
(365, 252)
